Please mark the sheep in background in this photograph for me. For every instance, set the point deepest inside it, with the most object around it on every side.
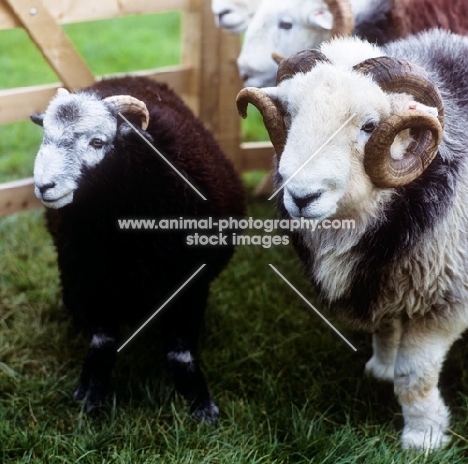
(401, 273)
(285, 27)
(234, 15)
(91, 170)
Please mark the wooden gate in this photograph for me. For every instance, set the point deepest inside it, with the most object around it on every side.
(207, 78)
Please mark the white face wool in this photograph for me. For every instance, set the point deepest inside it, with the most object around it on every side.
(78, 131)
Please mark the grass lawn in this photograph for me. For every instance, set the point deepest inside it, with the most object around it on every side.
(289, 390)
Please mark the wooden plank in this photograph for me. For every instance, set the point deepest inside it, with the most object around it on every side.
(19, 104)
(70, 11)
(52, 42)
(254, 156)
(18, 196)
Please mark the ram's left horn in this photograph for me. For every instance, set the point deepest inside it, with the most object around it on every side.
(129, 104)
(401, 76)
(386, 172)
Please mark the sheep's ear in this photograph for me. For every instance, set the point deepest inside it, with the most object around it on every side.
(432, 110)
(62, 91)
(320, 19)
(38, 118)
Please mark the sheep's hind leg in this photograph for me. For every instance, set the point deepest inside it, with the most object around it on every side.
(181, 326)
(96, 373)
(424, 345)
(385, 343)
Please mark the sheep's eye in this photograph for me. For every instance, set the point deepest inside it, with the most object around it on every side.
(285, 25)
(369, 127)
(97, 143)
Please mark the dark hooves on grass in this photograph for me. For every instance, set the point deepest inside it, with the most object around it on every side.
(207, 412)
(94, 399)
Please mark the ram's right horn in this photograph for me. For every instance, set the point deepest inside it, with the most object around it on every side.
(272, 117)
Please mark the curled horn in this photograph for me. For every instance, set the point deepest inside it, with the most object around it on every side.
(129, 104)
(343, 19)
(394, 75)
(299, 62)
(273, 114)
(272, 117)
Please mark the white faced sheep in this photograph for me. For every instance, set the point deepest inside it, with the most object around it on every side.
(92, 170)
(285, 27)
(234, 15)
(401, 273)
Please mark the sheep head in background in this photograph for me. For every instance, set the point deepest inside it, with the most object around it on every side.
(234, 15)
(286, 27)
(398, 169)
(88, 139)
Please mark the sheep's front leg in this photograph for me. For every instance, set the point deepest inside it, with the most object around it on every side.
(424, 345)
(96, 373)
(181, 326)
(385, 342)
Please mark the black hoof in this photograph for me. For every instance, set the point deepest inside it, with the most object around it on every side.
(94, 399)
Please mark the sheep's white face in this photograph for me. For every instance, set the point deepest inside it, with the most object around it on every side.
(334, 182)
(234, 15)
(284, 27)
(79, 130)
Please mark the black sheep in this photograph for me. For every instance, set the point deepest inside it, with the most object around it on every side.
(92, 170)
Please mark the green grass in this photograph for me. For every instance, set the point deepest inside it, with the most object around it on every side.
(289, 390)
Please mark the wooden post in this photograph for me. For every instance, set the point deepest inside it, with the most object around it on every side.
(191, 52)
(220, 84)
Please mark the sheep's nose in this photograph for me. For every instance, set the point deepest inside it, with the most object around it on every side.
(43, 188)
(302, 202)
(223, 13)
(245, 77)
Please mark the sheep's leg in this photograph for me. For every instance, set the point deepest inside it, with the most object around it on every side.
(96, 373)
(423, 347)
(181, 326)
(385, 345)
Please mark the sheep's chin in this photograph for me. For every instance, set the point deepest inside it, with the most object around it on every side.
(60, 202)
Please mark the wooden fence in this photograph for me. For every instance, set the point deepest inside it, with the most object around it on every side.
(207, 77)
